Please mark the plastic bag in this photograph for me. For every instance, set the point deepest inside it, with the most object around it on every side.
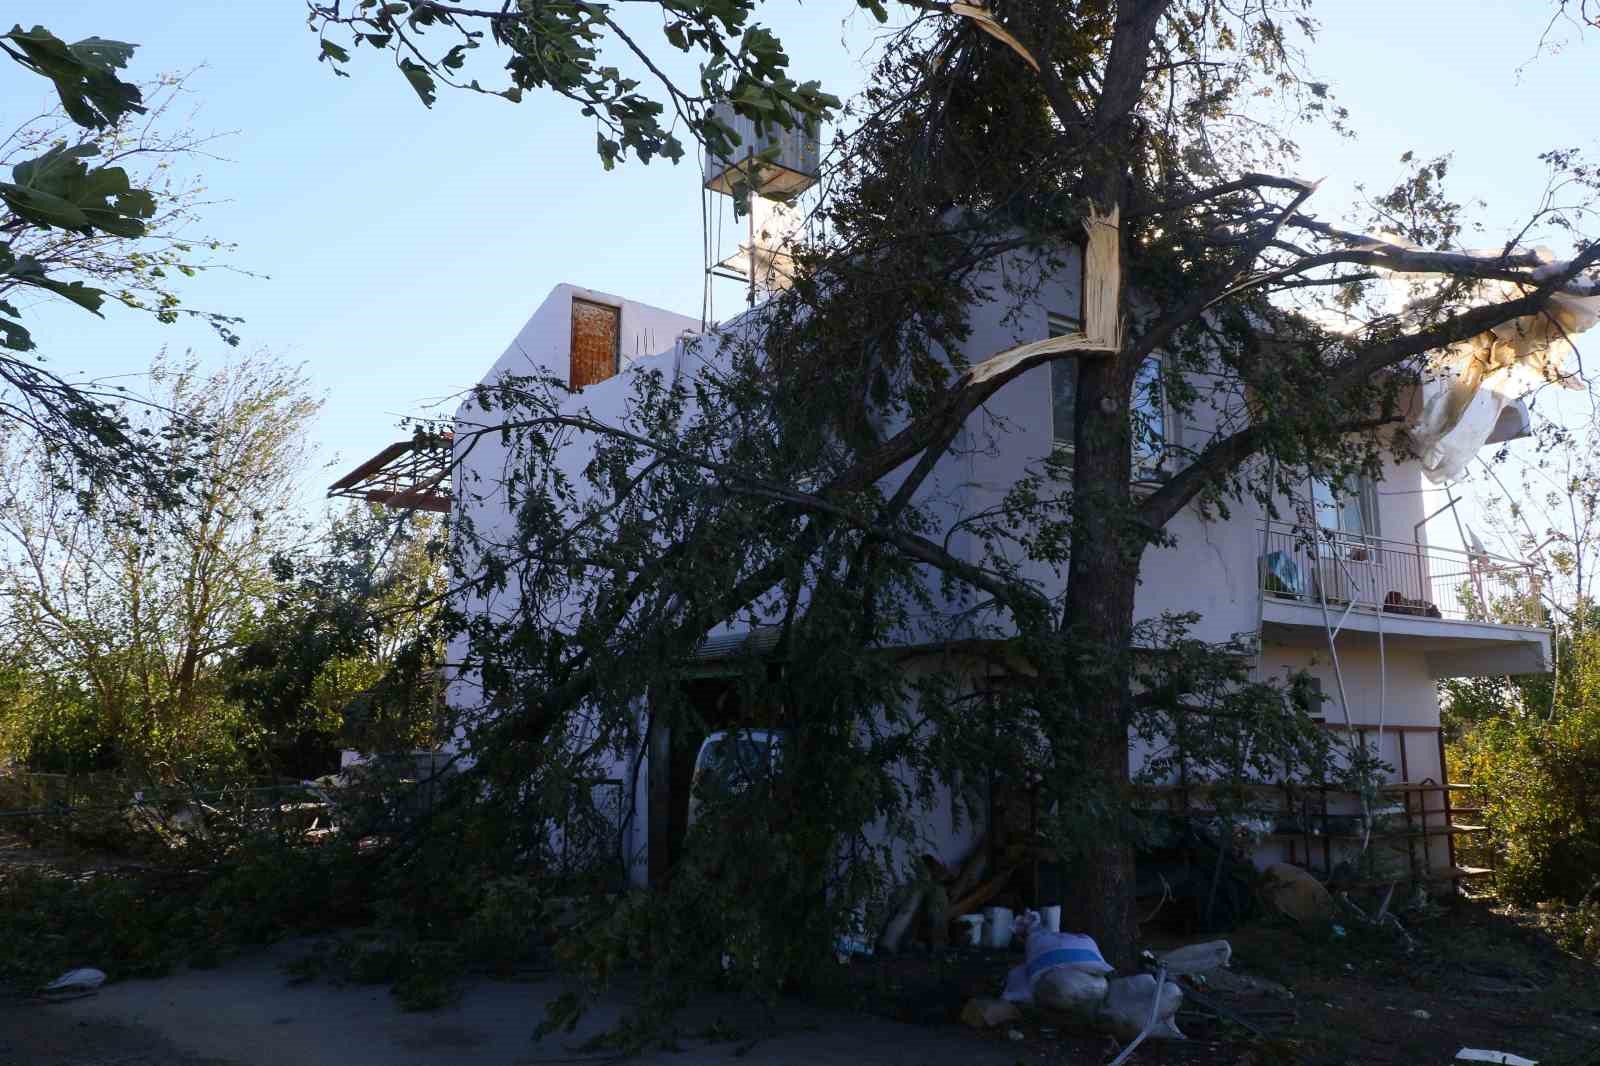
(1074, 991)
(1126, 1010)
(1048, 951)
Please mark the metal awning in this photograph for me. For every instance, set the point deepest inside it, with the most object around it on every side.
(409, 475)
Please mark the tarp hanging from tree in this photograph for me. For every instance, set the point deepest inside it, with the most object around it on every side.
(1473, 381)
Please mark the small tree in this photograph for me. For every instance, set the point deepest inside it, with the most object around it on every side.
(347, 652)
(135, 602)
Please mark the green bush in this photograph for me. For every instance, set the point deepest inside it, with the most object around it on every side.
(1536, 759)
(507, 926)
(135, 925)
(50, 924)
(432, 976)
(1576, 929)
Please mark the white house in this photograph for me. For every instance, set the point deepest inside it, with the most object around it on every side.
(1370, 604)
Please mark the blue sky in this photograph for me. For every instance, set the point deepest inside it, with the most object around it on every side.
(403, 248)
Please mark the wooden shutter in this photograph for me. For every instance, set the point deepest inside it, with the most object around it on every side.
(596, 336)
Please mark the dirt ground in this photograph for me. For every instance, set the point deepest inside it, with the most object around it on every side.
(248, 1013)
(1475, 975)
(31, 1035)
(1479, 976)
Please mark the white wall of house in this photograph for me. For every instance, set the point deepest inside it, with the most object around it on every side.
(1212, 569)
(542, 348)
(543, 343)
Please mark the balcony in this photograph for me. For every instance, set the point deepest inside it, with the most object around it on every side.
(1471, 613)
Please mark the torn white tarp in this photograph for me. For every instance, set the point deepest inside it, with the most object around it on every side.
(1473, 381)
(1502, 1058)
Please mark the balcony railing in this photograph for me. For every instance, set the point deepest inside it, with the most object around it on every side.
(1353, 571)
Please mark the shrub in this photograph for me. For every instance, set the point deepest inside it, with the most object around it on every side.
(1576, 929)
(50, 924)
(1537, 763)
(506, 927)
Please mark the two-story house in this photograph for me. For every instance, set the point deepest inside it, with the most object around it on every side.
(1354, 590)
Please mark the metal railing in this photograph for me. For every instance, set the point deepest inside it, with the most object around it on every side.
(1310, 564)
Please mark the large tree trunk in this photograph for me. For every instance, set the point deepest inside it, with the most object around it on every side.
(1102, 577)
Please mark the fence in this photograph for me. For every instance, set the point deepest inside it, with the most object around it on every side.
(1370, 573)
(104, 808)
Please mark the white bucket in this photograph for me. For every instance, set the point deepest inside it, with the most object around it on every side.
(1051, 916)
(971, 930)
(996, 927)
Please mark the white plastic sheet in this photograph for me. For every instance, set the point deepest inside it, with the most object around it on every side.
(1474, 380)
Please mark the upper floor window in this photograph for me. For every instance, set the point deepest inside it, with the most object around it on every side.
(1149, 418)
(1063, 381)
(596, 347)
(1354, 513)
(1149, 412)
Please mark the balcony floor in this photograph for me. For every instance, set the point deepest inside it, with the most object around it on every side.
(1452, 647)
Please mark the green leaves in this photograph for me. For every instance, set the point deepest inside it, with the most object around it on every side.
(331, 51)
(84, 73)
(25, 270)
(559, 47)
(58, 189)
(420, 80)
(12, 333)
(28, 271)
(50, 203)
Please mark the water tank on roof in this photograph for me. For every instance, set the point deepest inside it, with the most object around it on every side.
(790, 169)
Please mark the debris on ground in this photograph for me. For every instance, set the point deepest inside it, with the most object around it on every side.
(1126, 1011)
(74, 984)
(1196, 958)
(1291, 992)
(1045, 952)
(1298, 894)
(989, 1013)
(997, 927)
(1071, 991)
(1066, 972)
(1240, 984)
(1505, 1058)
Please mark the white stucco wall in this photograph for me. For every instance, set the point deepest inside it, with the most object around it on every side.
(1211, 569)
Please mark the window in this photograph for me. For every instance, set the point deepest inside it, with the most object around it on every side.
(1063, 381)
(1149, 419)
(596, 342)
(1308, 695)
(1355, 513)
(1149, 407)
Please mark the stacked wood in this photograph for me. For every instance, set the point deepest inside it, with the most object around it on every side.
(944, 893)
(941, 897)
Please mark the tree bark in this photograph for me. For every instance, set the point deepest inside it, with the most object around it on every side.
(1098, 620)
